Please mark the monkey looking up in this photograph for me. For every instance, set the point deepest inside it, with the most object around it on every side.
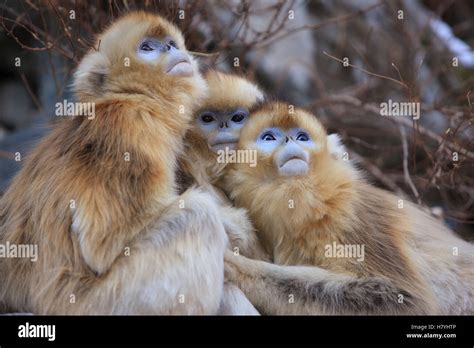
(98, 197)
(312, 210)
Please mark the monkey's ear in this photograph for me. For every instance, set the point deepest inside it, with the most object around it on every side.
(90, 75)
(335, 147)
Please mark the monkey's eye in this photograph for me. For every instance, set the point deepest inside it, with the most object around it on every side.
(146, 47)
(237, 118)
(173, 44)
(268, 137)
(302, 137)
(207, 118)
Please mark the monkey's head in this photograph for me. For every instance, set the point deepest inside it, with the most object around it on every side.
(226, 109)
(290, 143)
(141, 53)
(284, 154)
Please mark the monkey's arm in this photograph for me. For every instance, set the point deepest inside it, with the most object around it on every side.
(242, 237)
(276, 289)
(103, 229)
(175, 266)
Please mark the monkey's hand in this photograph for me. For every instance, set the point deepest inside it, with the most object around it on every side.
(277, 289)
(239, 269)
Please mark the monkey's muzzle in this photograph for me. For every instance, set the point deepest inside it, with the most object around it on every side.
(292, 160)
(179, 64)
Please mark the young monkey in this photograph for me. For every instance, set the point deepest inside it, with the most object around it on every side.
(217, 125)
(307, 204)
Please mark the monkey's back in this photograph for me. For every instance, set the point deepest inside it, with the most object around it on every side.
(36, 210)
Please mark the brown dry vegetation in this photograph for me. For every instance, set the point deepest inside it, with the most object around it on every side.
(389, 58)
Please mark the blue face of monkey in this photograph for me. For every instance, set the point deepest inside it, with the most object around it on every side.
(291, 147)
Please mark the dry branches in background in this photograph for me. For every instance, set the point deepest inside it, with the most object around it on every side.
(342, 59)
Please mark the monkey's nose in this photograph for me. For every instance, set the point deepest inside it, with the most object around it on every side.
(287, 139)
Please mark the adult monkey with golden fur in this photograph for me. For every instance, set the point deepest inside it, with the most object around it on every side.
(98, 196)
(304, 201)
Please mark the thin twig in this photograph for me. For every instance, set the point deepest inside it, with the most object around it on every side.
(7, 154)
(374, 109)
(30, 92)
(314, 27)
(404, 85)
(405, 164)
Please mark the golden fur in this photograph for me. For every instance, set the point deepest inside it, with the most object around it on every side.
(84, 205)
(199, 164)
(407, 252)
(226, 91)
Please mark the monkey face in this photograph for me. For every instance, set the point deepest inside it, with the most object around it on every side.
(291, 149)
(141, 53)
(150, 43)
(161, 45)
(226, 110)
(222, 128)
(289, 143)
(166, 53)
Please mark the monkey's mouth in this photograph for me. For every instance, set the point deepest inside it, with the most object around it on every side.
(294, 165)
(223, 141)
(292, 159)
(181, 67)
(231, 145)
(295, 158)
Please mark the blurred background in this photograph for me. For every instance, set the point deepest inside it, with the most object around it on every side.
(407, 51)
